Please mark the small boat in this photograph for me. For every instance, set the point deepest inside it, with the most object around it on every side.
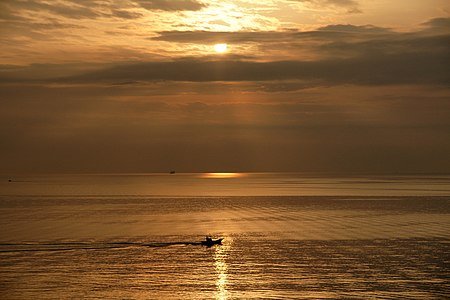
(209, 242)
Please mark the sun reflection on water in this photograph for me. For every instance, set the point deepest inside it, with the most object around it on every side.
(222, 175)
(220, 264)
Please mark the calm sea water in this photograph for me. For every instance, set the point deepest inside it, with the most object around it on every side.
(285, 236)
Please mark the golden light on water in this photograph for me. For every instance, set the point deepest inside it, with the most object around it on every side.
(220, 264)
(222, 175)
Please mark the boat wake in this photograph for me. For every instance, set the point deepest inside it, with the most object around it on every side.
(73, 246)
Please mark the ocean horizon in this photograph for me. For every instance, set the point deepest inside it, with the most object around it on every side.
(226, 184)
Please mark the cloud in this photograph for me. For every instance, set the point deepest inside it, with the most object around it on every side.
(346, 54)
(211, 37)
(351, 5)
(12, 9)
(437, 26)
(169, 5)
(68, 10)
(353, 29)
(6, 14)
(125, 14)
(326, 34)
(331, 2)
(332, 41)
(381, 69)
(372, 70)
(438, 23)
(340, 2)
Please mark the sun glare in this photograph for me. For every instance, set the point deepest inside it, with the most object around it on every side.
(220, 48)
(222, 175)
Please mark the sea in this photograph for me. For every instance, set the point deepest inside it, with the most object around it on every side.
(285, 236)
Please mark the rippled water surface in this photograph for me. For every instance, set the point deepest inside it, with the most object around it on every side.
(116, 237)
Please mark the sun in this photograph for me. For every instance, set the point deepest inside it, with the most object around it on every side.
(221, 48)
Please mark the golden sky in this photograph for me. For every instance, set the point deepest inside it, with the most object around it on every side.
(295, 85)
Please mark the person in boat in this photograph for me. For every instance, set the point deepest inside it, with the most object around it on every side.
(209, 242)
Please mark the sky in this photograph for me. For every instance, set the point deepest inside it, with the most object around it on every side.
(331, 86)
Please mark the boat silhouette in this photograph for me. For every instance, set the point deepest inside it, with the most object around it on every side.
(209, 242)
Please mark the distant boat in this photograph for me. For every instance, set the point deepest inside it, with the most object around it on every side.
(172, 172)
(209, 242)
